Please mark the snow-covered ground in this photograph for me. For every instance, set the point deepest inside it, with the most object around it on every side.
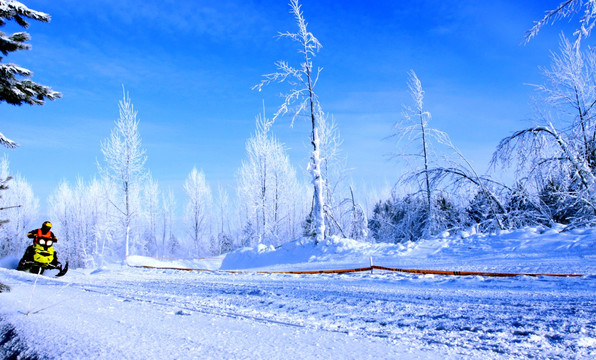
(123, 312)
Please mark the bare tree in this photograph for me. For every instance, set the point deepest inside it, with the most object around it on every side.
(303, 81)
(567, 9)
(452, 170)
(413, 131)
(358, 224)
(168, 203)
(20, 207)
(197, 208)
(564, 153)
(151, 198)
(267, 186)
(334, 171)
(125, 165)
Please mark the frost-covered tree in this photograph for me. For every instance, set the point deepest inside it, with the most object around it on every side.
(125, 167)
(15, 86)
(302, 94)
(401, 218)
(65, 215)
(168, 207)
(13, 240)
(439, 166)
(414, 128)
(267, 187)
(224, 241)
(83, 222)
(567, 9)
(522, 209)
(198, 210)
(562, 152)
(334, 172)
(4, 186)
(480, 211)
(398, 219)
(151, 198)
(358, 222)
(431, 151)
(103, 216)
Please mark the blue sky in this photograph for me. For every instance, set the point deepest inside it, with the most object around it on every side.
(189, 67)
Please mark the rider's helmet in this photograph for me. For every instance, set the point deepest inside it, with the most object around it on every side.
(45, 227)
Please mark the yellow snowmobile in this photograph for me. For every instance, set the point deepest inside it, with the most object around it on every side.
(41, 256)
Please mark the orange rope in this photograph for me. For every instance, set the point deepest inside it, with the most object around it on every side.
(370, 268)
(468, 273)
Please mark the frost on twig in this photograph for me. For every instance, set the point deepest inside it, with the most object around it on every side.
(567, 9)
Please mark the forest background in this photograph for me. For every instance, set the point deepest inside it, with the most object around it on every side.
(189, 75)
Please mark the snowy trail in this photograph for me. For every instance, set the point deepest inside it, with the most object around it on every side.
(359, 315)
(107, 318)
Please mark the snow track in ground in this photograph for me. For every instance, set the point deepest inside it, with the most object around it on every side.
(134, 313)
(386, 314)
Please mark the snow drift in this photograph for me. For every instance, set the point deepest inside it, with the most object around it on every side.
(529, 250)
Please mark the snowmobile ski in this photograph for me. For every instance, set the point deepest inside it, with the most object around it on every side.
(63, 270)
(35, 267)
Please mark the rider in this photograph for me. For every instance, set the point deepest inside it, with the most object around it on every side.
(44, 233)
(41, 250)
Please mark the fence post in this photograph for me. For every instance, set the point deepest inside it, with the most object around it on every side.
(371, 265)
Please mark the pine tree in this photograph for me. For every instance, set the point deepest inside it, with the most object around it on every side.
(521, 210)
(13, 88)
(398, 220)
(480, 211)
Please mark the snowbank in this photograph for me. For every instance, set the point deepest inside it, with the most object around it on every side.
(204, 264)
(529, 250)
(304, 253)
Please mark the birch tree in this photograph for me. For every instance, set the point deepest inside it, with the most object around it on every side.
(124, 166)
(65, 213)
(414, 132)
(105, 232)
(441, 164)
(151, 197)
(21, 208)
(567, 9)
(84, 222)
(333, 169)
(302, 81)
(561, 154)
(168, 207)
(4, 186)
(198, 209)
(267, 187)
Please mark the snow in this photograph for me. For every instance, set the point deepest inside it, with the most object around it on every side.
(531, 250)
(125, 312)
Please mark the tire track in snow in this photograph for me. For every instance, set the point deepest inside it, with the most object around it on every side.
(507, 318)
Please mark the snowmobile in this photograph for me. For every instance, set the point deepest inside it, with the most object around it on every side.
(41, 256)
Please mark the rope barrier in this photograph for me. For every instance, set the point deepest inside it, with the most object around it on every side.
(370, 268)
(469, 273)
